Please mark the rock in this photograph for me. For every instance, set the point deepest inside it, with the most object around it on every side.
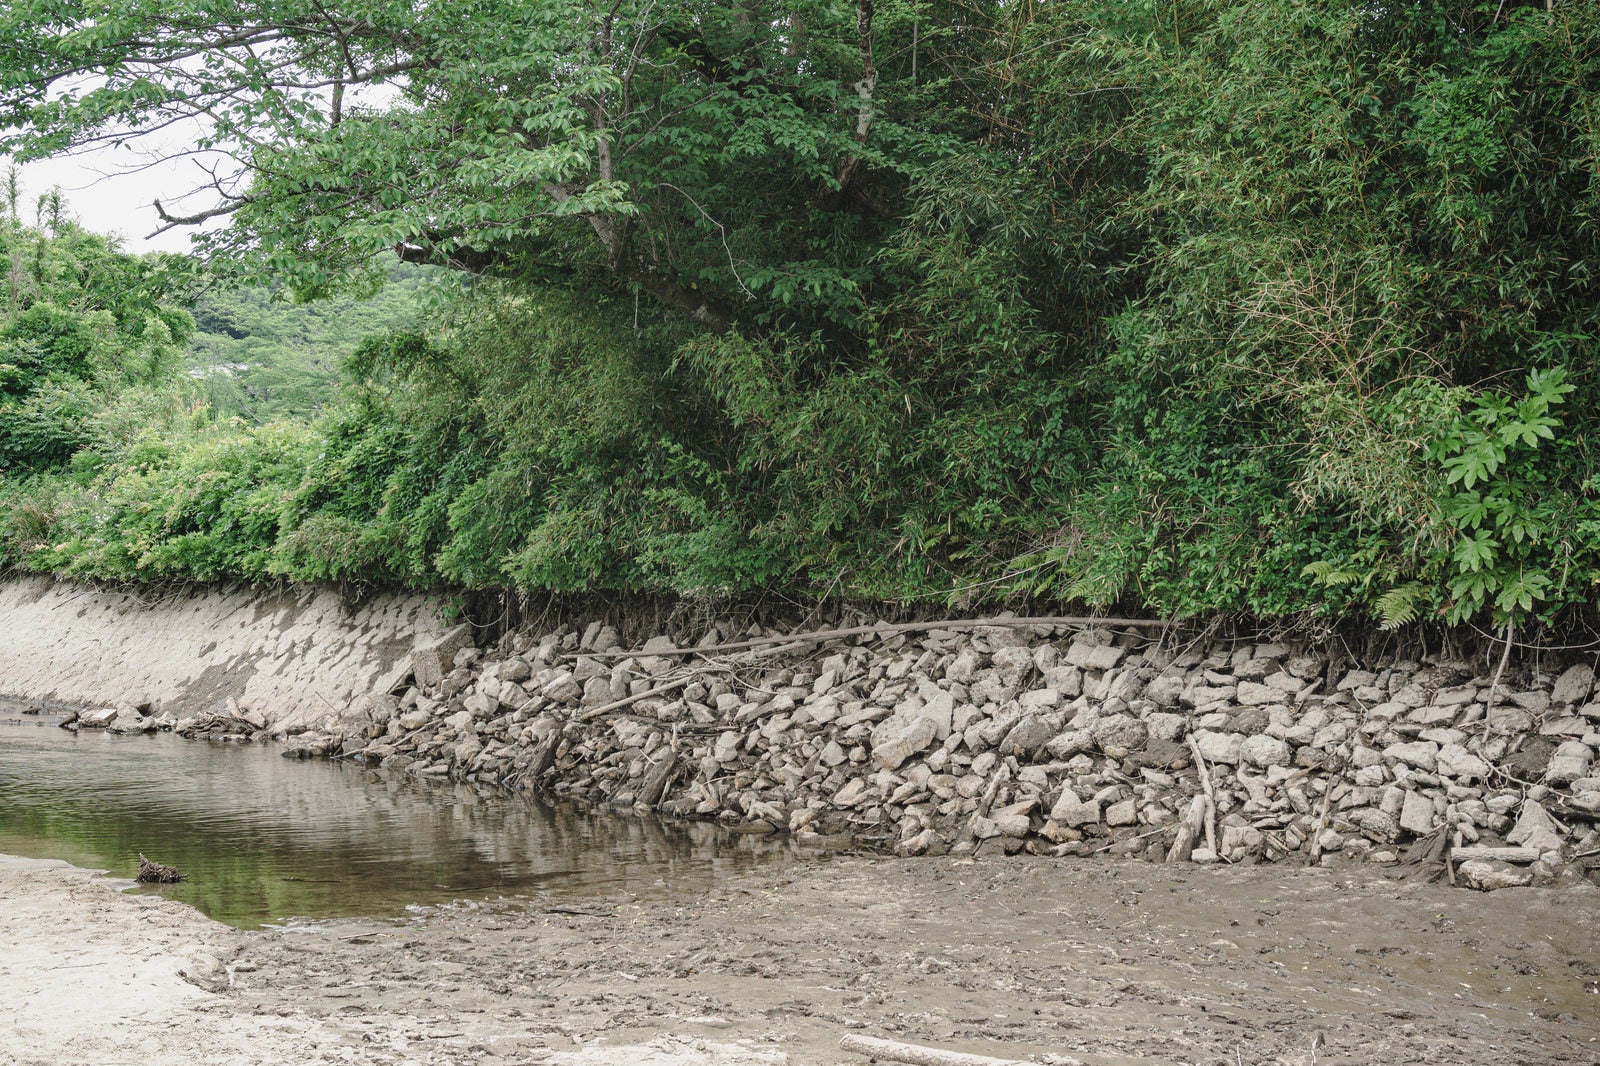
(1251, 694)
(1165, 691)
(1218, 747)
(1072, 742)
(1377, 826)
(1571, 761)
(1069, 810)
(1457, 762)
(98, 719)
(1087, 656)
(1122, 814)
(1573, 686)
(1122, 731)
(429, 664)
(1040, 699)
(897, 739)
(1264, 752)
(1238, 841)
(1486, 876)
(1535, 829)
(415, 719)
(1459, 696)
(1013, 665)
(1587, 800)
(1026, 737)
(855, 792)
(1423, 754)
(1416, 815)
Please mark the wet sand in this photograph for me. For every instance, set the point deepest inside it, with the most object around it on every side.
(1109, 963)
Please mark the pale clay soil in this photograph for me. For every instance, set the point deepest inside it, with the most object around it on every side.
(1110, 963)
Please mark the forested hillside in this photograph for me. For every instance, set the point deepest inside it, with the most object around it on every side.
(261, 355)
(1283, 307)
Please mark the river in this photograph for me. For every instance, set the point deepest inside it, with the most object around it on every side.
(262, 839)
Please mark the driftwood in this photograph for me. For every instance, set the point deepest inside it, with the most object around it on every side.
(1427, 859)
(1211, 795)
(1183, 846)
(917, 1055)
(154, 873)
(655, 780)
(883, 629)
(1513, 855)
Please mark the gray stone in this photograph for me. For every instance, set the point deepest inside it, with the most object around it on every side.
(1455, 697)
(1416, 816)
(1011, 824)
(1535, 829)
(1027, 737)
(1487, 876)
(1069, 810)
(1508, 719)
(1202, 696)
(1073, 742)
(1457, 762)
(1423, 754)
(1251, 694)
(1376, 826)
(429, 664)
(415, 719)
(1094, 656)
(1039, 699)
(1239, 841)
(1264, 751)
(964, 667)
(1164, 726)
(1122, 814)
(897, 739)
(97, 719)
(1120, 731)
(1218, 747)
(855, 792)
(1575, 685)
(1570, 762)
(1164, 691)
(1013, 665)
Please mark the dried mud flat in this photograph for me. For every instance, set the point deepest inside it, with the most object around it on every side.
(1108, 963)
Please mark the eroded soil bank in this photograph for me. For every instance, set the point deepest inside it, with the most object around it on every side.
(1113, 964)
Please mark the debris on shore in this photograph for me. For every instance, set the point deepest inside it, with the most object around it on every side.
(155, 873)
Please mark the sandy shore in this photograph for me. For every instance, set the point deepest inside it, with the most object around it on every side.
(1110, 964)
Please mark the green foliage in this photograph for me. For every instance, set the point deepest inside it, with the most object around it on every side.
(1186, 307)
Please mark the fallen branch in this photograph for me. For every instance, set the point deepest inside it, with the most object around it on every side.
(1211, 795)
(917, 1055)
(629, 701)
(886, 629)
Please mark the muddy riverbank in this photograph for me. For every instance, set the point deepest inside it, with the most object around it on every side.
(1111, 964)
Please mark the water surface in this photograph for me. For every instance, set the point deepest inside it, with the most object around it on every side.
(263, 839)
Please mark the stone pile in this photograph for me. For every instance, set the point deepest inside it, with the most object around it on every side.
(124, 718)
(1020, 737)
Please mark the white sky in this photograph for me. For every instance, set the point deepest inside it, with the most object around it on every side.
(102, 196)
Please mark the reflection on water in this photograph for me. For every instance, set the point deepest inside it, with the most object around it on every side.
(262, 838)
